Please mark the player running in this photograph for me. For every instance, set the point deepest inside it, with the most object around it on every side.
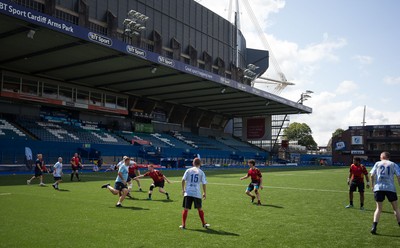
(133, 172)
(256, 181)
(57, 173)
(158, 181)
(38, 170)
(120, 186)
(191, 191)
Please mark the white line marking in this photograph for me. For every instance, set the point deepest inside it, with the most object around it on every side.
(5, 193)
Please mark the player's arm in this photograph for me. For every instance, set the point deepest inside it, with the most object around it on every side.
(245, 177)
(261, 180)
(166, 179)
(373, 181)
(183, 186)
(204, 191)
(140, 176)
(349, 178)
(366, 177)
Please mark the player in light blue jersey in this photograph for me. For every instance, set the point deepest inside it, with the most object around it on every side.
(382, 179)
(120, 186)
(191, 189)
(57, 173)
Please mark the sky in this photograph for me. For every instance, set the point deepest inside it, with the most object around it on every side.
(346, 51)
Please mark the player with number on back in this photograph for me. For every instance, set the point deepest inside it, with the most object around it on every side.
(191, 181)
(382, 180)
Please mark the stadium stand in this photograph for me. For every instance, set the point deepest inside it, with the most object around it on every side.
(9, 131)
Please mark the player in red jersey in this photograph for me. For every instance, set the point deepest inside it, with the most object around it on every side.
(256, 181)
(76, 164)
(158, 181)
(356, 180)
(133, 171)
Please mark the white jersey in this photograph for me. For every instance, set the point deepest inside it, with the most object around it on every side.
(384, 172)
(57, 169)
(193, 178)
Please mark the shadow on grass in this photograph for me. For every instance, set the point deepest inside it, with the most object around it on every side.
(373, 210)
(152, 200)
(131, 208)
(63, 190)
(271, 206)
(388, 235)
(214, 232)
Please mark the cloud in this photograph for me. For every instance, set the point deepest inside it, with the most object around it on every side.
(392, 80)
(363, 60)
(346, 87)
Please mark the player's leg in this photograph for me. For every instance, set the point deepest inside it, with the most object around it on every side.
(151, 191)
(248, 192)
(77, 174)
(30, 180)
(392, 197)
(198, 206)
(124, 192)
(163, 191)
(41, 180)
(379, 197)
(257, 192)
(351, 194)
(361, 188)
(138, 183)
(187, 204)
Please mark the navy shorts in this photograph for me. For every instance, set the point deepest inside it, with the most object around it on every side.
(188, 200)
(159, 184)
(357, 185)
(380, 196)
(130, 177)
(57, 178)
(119, 186)
(38, 173)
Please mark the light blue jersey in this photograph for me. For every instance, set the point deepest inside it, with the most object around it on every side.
(193, 178)
(57, 169)
(123, 169)
(384, 172)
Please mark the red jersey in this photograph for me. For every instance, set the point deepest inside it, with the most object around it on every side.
(358, 172)
(75, 161)
(132, 169)
(255, 174)
(155, 175)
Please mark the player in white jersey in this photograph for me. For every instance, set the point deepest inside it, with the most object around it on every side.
(57, 173)
(382, 179)
(191, 181)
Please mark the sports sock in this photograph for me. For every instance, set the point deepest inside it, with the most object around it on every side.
(201, 214)
(77, 176)
(374, 224)
(149, 195)
(72, 176)
(361, 204)
(184, 216)
(351, 203)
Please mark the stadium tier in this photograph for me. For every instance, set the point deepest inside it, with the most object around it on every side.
(9, 131)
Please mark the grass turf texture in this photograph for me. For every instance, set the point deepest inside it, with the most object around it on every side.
(301, 208)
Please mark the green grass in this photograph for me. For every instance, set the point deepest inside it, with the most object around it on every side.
(301, 208)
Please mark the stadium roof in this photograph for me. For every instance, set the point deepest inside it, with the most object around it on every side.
(66, 52)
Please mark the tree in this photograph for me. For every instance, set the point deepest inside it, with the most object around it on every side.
(337, 132)
(301, 133)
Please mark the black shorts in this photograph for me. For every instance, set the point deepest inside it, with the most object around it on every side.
(38, 173)
(75, 168)
(119, 186)
(188, 200)
(253, 185)
(159, 184)
(130, 177)
(57, 178)
(380, 196)
(354, 185)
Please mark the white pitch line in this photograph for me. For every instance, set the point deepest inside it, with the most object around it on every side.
(290, 188)
(5, 193)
